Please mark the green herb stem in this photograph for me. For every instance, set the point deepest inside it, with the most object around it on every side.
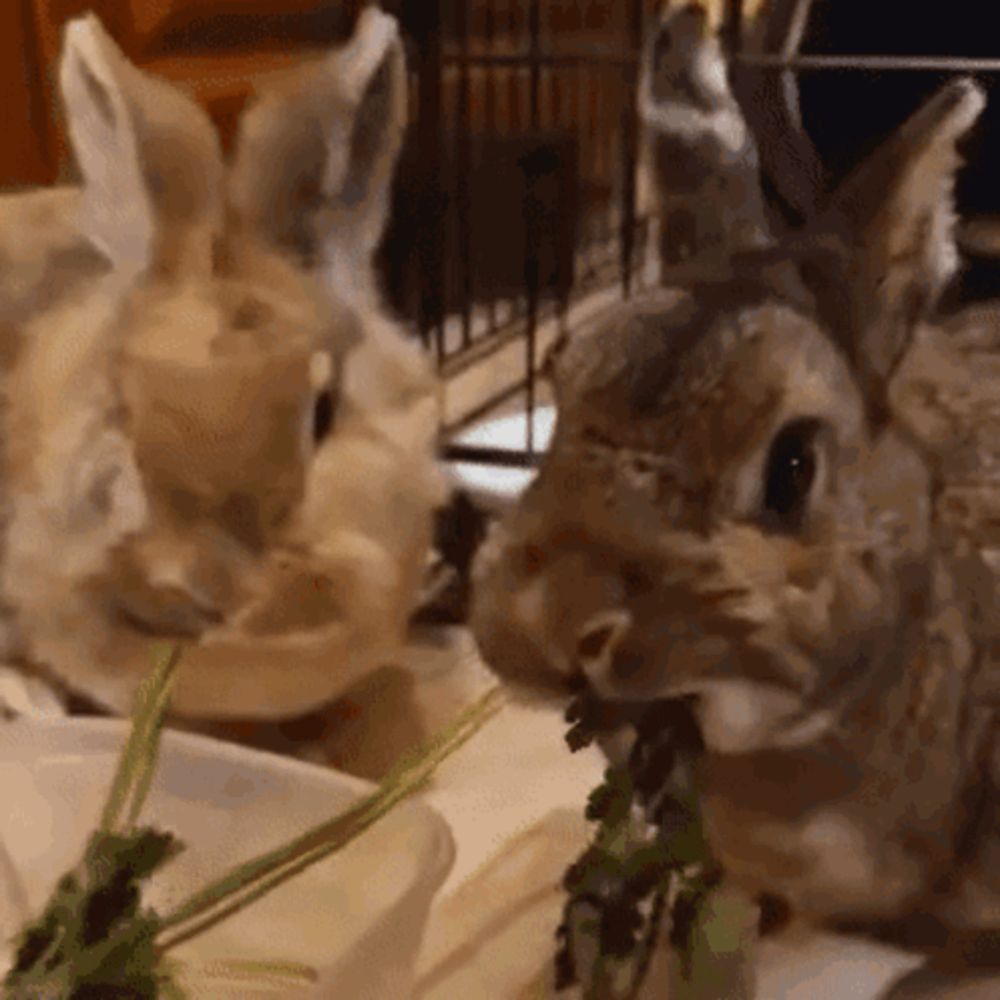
(137, 763)
(255, 972)
(251, 880)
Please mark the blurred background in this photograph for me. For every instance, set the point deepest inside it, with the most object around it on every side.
(519, 203)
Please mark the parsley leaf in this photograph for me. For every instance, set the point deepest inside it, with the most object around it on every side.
(648, 858)
(94, 939)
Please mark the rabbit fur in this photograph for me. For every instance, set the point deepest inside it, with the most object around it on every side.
(213, 432)
(774, 487)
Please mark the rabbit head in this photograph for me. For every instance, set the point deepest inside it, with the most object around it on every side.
(733, 507)
(217, 435)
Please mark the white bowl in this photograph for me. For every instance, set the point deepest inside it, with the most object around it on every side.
(356, 918)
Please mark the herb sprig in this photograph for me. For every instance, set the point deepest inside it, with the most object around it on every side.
(648, 864)
(94, 940)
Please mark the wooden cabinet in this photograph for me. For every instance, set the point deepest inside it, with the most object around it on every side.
(214, 48)
(24, 143)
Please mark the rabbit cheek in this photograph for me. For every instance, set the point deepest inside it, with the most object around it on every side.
(825, 867)
(767, 818)
(509, 623)
(738, 716)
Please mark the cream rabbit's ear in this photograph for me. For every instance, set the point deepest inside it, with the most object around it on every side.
(148, 155)
(315, 157)
(889, 230)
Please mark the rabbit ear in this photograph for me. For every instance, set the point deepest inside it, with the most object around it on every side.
(315, 158)
(118, 214)
(698, 149)
(149, 157)
(890, 229)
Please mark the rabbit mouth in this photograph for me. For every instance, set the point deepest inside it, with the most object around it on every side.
(188, 621)
(740, 716)
(733, 716)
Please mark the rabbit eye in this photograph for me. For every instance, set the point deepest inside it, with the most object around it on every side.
(791, 471)
(323, 414)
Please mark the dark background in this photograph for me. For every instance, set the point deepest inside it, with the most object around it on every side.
(847, 113)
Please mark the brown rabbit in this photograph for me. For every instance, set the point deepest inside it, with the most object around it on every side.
(212, 431)
(775, 488)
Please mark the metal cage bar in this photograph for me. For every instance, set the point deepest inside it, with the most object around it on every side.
(499, 72)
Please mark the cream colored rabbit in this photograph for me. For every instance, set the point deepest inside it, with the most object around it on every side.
(212, 432)
(776, 489)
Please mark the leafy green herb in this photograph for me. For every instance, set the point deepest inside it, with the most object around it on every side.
(94, 941)
(648, 858)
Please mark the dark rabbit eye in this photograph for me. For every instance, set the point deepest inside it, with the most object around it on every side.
(323, 413)
(791, 471)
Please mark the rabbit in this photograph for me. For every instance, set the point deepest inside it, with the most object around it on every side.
(213, 432)
(773, 488)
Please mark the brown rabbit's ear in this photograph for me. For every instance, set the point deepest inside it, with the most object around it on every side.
(149, 157)
(700, 156)
(889, 228)
(315, 157)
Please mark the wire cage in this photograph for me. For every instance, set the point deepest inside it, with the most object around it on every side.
(517, 193)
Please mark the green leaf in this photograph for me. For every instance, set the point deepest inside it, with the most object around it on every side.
(94, 941)
(93, 938)
(718, 959)
(648, 846)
